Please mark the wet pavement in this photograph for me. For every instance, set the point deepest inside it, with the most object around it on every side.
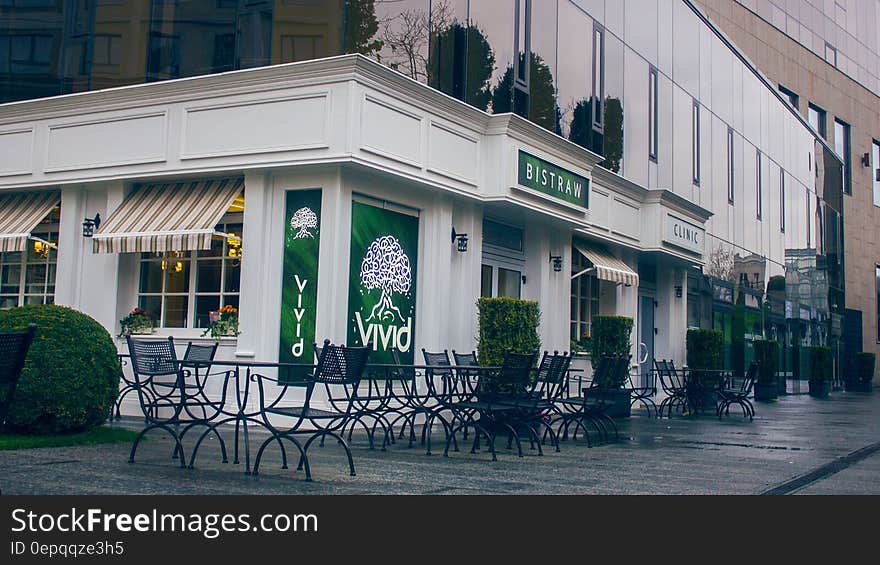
(797, 445)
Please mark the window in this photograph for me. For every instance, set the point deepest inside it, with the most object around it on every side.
(843, 148)
(695, 140)
(730, 166)
(792, 97)
(503, 260)
(816, 117)
(106, 50)
(875, 170)
(301, 47)
(523, 40)
(584, 298)
(25, 54)
(181, 289)
(598, 77)
(759, 185)
(652, 113)
(29, 277)
(782, 200)
(830, 54)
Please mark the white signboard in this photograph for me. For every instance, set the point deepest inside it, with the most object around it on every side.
(685, 234)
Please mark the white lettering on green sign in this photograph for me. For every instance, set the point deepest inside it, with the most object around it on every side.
(537, 174)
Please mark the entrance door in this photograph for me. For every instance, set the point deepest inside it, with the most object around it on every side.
(646, 337)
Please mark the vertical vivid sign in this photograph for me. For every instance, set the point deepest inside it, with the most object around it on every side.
(538, 174)
(382, 281)
(299, 289)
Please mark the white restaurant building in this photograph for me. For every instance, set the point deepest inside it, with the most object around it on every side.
(200, 183)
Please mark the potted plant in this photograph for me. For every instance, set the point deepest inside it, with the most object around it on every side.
(223, 323)
(767, 358)
(820, 371)
(137, 322)
(611, 338)
(865, 363)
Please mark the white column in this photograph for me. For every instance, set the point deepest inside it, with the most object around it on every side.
(87, 281)
(254, 318)
(464, 278)
(434, 301)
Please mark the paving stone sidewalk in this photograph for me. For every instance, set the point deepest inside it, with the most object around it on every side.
(796, 445)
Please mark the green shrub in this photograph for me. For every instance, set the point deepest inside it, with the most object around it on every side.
(820, 363)
(705, 349)
(767, 357)
(865, 363)
(611, 336)
(71, 376)
(506, 324)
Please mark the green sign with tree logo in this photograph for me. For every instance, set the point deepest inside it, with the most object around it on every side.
(538, 174)
(382, 281)
(299, 289)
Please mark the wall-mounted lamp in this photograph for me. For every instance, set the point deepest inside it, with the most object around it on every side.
(678, 292)
(462, 240)
(90, 225)
(866, 159)
(557, 262)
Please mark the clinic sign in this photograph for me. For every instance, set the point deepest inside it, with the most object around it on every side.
(685, 235)
(538, 174)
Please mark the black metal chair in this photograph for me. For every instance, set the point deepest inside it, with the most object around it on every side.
(169, 398)
(588, 408)
(13, 352)
(644, 392)
(674, 385)
(491, 408)
(736, 390)
(338, 373)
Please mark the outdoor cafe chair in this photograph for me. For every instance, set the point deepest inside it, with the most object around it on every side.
(674, 385)
(13, 352)
(575, 413)
(736, 390)
(337, 374)
(171, 397)
(491, 409)
(644, 392)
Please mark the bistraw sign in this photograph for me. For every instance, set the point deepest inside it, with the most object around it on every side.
(382, 281)
(299, 291)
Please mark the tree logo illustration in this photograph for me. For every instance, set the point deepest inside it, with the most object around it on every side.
(386, 266)
(303, 220)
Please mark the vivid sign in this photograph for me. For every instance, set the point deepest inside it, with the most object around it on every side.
(382, 281)
(538, 174)
(684, 234)
(299, 289)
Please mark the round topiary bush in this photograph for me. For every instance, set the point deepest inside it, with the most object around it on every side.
(71, 375)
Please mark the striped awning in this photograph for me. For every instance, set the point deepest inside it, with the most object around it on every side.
(20, 212)
(177, 216)
(606, 266)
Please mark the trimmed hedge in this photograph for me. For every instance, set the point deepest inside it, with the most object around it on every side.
(865, 363)
(71, 376)
(507, 324)
(820, 363)
(767, 357)
(610, 336)
(705, 349)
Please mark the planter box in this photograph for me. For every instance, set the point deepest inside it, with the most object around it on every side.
(766, 392)
(820, 389)
(619, 398)
(860, 386)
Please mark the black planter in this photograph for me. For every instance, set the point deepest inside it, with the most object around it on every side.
(618, 397)
(820, 389)
(766, 392)
(863, 386)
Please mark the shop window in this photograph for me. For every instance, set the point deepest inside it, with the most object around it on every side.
(29, 277)
(584, 298)
(181, 289)
(503, 260)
